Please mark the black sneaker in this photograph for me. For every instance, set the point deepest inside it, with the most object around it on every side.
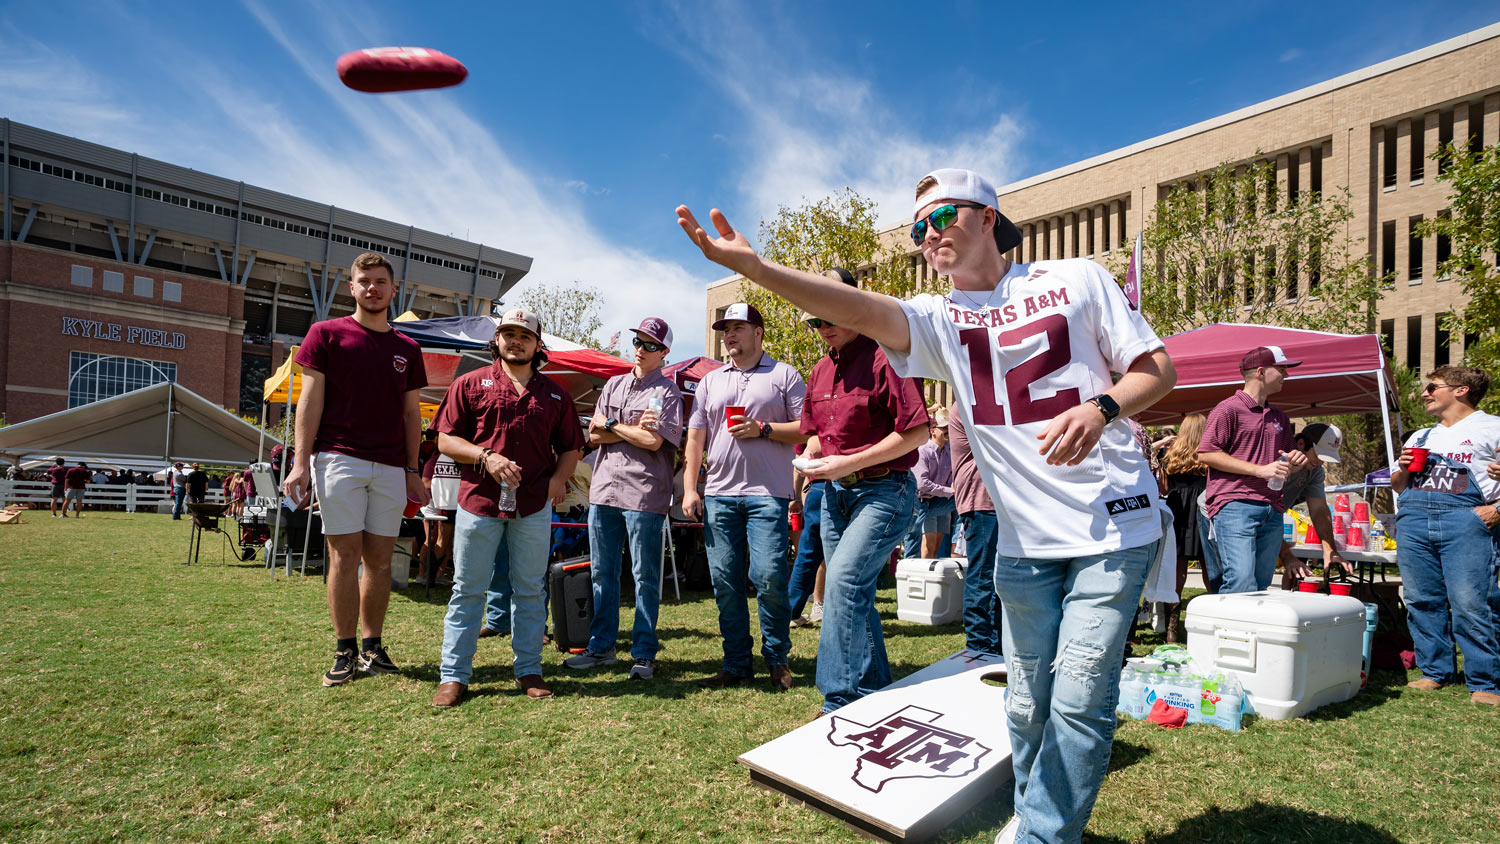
(644, 669)
(376, 661)
(342, 670)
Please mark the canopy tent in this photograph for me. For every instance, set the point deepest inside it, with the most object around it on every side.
(163, 422)
(1340, 373)
(687, 374)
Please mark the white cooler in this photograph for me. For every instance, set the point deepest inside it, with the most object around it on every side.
(930, 591)
(1293, 651)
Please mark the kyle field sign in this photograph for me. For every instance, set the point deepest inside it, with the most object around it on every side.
(903, 763)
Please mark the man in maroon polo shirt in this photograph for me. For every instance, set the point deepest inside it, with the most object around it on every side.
(515, 433)
(58, 475)
(359, 424)
(1246, 445)
(864, 424)
(77, 481)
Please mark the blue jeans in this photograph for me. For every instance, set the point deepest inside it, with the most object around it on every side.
(923, 510)
(861, 526)
(1248, 536)
(809, 550)
(1448, 564)
(1213, 573)
(497, 597)
(476, 541)
(981, 606)
(753, 527)
(178, 496)
(1064, 633)
(609, 527)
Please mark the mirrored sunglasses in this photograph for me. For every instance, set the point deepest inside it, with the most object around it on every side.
(647, 345)
(819, 323)
(941, 218)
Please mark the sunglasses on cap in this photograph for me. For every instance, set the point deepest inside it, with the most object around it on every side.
(820, 323)
(647, 345)
(941, 218)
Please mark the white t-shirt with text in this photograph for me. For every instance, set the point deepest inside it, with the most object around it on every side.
(1472, 441)
(1045, 341)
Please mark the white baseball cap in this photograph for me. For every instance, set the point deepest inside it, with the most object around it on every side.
(522, 318)
(1325, 440)
(968, 186)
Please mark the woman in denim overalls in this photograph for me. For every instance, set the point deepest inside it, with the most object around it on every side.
(1447, 536)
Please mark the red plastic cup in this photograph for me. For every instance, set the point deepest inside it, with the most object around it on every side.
(1418, 459)
(412, 508)
(1312, 535)
(1340, 524)
(1356, 537)
(1341, 503)
(794, 521)
(730, 413)
(1338, 589)
(1362, 513)
(1307, 586)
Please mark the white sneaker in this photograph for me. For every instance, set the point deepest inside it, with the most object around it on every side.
(588, 659)
(801, 621)
(817, 612)
(1007, 833)
(644, 669)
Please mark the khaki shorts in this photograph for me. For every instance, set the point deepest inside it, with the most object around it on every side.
(357, 495)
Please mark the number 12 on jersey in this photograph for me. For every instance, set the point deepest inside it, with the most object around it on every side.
(1016, 382)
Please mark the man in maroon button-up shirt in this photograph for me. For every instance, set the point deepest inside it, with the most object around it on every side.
(514, 432)
(864, 425)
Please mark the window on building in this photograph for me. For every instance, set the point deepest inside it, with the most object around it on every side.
(1317, 171)
(1445, 137)
(1476, 127)
(83, 276)
(1444, 247)
(93, 377)
(1418, 150)
(1440, 341)
(1413, 250)
(1388, 158)
(1388, 249)
(1388, 336)
(1414, 342)
(171, 291)
(114, 282)
(143, 286)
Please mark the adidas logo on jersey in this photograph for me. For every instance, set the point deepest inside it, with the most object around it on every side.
(1120, 506)
(1467, 442)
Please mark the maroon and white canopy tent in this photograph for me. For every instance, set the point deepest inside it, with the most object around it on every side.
(1340, 373)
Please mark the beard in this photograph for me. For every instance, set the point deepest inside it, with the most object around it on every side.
(517, 358)
(360, 303)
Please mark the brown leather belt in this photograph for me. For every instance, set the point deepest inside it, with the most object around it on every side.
(866, 475)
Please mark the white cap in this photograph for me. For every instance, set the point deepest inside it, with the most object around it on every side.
(953, 183)
(522, 318)
(1328, 442)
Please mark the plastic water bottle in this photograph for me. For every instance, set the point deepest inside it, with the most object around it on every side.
(507, 501)
(1132, 694)
(656, 404)
(1277, 483)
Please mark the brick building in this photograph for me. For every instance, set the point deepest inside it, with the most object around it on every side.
(1370, 131)
(118, 271)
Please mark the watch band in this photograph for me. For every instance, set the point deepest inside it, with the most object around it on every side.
(1108, 406)
(765, 430)
(609, 424)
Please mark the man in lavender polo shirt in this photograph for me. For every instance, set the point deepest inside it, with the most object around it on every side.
(637, 426)
(1245, 444)
(748, 491)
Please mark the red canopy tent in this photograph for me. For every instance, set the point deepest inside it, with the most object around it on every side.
(1340, 373)
(687, 374)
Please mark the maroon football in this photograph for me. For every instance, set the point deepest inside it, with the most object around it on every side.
(381, 70)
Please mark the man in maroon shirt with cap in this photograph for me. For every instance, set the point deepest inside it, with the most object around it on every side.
(515, 433)
(1247, 445)
(864, 424)
(359, 423)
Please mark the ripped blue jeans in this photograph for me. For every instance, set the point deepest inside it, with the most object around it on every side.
(1064, 631)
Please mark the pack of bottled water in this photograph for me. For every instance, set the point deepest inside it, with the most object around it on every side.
(1167, 676)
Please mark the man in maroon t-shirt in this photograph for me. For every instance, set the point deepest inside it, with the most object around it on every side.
(1246, 444)
(77, 482)
(515, 433)
(359, 423)
(864, 424)
(58, 475)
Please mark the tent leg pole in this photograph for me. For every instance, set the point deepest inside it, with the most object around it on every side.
(260, 446)
(1385, 419)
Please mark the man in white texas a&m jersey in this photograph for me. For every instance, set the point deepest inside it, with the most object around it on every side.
(1029, 349)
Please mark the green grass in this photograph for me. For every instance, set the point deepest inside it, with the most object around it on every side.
(148, 701)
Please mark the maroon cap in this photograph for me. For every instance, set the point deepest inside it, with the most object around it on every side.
(1266, 356)
(657, 330)
(740, 312)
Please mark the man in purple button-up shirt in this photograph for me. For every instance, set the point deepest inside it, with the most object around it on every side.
(747, 412)
(637, 427)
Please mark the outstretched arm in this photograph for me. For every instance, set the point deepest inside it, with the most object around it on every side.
(878, 317)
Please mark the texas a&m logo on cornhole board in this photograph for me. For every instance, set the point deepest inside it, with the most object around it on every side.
(906, 743)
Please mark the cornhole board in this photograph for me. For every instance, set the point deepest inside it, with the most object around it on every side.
(903, 763)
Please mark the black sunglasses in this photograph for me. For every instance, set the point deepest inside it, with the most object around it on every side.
(819, 323)
(647, 345)
(941, 218)
(1433, 387)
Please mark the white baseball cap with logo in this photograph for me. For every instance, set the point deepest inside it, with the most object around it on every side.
(522, 318)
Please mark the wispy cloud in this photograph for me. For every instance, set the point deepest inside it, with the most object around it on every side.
(814, 128)
(1290, 55)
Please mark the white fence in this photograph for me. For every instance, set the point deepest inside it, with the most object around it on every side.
(132, 497)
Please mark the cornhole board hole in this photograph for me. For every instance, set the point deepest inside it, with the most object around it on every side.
(903, 763)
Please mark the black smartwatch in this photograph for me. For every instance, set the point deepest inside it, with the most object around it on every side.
(765, 430)
(1108, 406)
(610, 423)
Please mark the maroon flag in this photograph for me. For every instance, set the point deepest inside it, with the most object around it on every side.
(1133, 276)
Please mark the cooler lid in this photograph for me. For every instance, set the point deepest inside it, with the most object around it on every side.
(1274, 607)
(928, 565)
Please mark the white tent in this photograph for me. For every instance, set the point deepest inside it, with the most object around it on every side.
(163, 422)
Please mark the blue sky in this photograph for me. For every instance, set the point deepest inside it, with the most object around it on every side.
(582, 125)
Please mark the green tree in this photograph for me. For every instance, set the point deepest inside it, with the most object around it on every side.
(1225, 247)
(1472, 226)
(836, 231)
(571, 312)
